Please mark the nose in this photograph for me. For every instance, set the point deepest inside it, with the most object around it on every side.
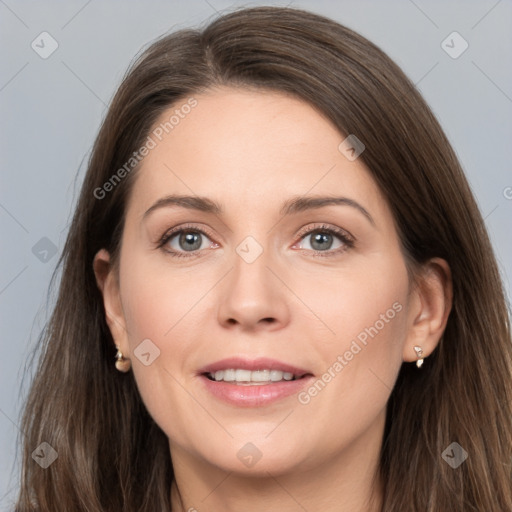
(252, 297)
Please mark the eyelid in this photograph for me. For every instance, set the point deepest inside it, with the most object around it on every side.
(182, 227)
(347, 238)
(343, 233)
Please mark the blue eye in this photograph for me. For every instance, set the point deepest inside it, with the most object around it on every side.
(323, 237)
(320, 240)
(187, 241)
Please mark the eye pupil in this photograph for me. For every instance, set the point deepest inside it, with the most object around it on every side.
(189, 240)
(320, 238)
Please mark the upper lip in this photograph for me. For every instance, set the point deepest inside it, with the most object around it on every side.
(261, 363)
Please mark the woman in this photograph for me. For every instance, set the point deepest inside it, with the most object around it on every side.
(207, 353)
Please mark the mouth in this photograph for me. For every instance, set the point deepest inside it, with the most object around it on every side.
(261, 377)
(241, 370)
(253, 383)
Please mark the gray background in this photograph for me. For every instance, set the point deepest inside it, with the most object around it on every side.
(51, 110)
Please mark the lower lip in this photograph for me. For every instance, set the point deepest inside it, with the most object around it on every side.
(257, 395)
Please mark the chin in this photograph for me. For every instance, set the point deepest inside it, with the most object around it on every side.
(257, 458)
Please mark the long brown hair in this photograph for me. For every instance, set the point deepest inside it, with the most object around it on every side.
(111, 454)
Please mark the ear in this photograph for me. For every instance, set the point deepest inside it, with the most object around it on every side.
(430, 306)
(108, 283)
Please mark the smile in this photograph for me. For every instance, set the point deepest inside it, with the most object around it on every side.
(251, 378)
(245, 382)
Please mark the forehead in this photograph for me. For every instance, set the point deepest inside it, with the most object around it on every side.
(248, 147)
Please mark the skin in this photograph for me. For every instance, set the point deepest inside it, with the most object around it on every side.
(251, 151)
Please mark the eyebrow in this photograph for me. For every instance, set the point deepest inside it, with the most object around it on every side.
(293, 205)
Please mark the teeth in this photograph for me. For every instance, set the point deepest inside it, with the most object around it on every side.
(275, 375)
(249, 377)
(260, 376)
(242, 376)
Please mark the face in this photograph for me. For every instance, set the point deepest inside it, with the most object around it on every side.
(270, 285)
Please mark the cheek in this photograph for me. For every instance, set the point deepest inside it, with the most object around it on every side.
(156, 299)
(364, 302)
(367, 312)
(159, 307)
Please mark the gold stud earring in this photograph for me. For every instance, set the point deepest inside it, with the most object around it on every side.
(122, 364)
(419, 353)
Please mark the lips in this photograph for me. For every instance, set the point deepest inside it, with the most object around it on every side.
(242, 382)
(253, 365)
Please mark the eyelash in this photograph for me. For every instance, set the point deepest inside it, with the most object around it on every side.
(347, 240)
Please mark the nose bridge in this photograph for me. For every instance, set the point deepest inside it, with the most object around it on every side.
(251, 264)
(252, 292)
(251, 278)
